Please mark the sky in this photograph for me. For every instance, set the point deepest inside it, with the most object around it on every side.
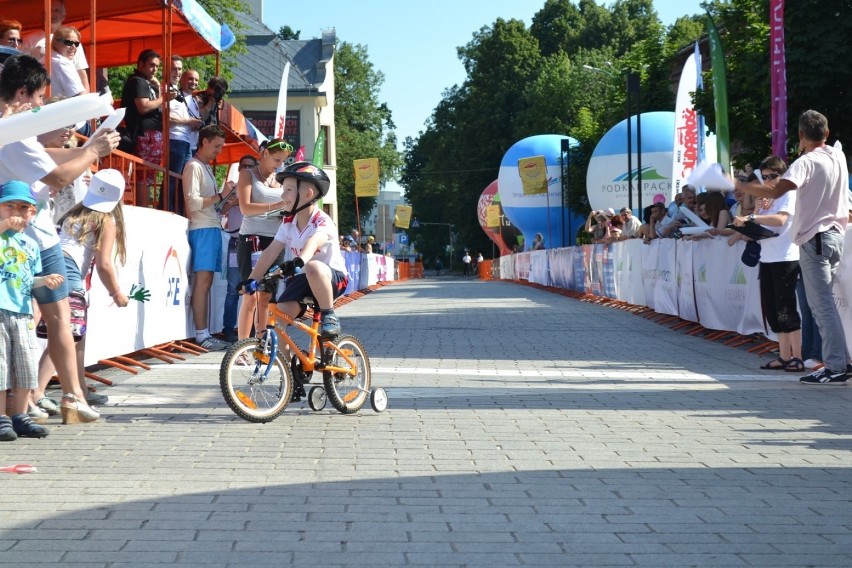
(414, 44)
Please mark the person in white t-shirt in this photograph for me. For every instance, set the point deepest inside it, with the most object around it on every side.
(308, 237)
(64, 79)
(821, 179)
(34, 43)
(779, 269)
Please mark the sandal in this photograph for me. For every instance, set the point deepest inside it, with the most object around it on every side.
(795, 365)
(776, 364)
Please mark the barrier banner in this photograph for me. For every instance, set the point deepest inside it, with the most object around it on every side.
(608, 272)
(685, 289)
(843, 289)
(629, 283)
(507, 267)
(156, 260)
(353, 267)
(596, 272)
(522, 266)
(583, 268)
(649, 271)
(665, 287)
(539, 270)
(561, 267)
(720, 283)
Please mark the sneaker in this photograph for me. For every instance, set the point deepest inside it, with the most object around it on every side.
(230, 336)
(330, 326)
(26, 428)
(813, 364)
(210, 343)
(7, 432)
(48, 405)
(94, 398)
(825, 376)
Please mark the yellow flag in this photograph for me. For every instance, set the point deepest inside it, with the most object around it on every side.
(492, 216)
(367, 177)
(533, 172)
(402, 216)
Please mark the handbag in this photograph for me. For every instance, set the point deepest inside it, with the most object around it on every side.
(79, 317)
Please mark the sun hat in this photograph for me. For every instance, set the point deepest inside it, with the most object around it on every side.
(105, 191)
(16, 191)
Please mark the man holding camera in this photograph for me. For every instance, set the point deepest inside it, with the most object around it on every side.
(184, 123)
(210, 100)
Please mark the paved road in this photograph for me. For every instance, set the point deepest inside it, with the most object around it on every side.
(525, 429)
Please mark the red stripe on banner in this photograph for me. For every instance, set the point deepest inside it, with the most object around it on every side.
(778, 79)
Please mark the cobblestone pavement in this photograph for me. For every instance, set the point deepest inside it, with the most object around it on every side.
(524, 429)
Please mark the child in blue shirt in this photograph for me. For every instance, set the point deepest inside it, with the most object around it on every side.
(19, 262)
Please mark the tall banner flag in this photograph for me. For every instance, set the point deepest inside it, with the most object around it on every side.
(699, 85)
(319, 149)
(720, 92)
(281, 111)
(300, 154)
(686, 134)
(367, 177)
(533, 172)
(778, 78)
(402, 216)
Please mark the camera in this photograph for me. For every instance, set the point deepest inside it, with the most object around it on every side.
(178, 95)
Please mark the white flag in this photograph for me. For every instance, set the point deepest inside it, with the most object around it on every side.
(281, 112)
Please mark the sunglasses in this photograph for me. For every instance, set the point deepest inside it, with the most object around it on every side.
(283, 145)
(770, 177)
(15, 41)
(70, 43)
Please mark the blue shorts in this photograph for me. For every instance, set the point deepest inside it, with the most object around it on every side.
(297, 287)
(206, 248)
(73, 278)
(52, 262)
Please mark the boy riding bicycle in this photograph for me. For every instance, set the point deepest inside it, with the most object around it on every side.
(309, 237)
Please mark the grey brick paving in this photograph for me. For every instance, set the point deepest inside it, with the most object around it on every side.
(524, 429)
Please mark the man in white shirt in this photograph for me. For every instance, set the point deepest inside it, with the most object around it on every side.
(184, 123)
(631, 225)
(821, 178)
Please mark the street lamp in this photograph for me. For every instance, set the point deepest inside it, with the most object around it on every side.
(416, 224)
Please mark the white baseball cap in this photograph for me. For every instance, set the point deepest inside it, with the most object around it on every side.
(105, 191)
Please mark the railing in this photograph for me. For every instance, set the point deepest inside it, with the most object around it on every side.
(142, 176)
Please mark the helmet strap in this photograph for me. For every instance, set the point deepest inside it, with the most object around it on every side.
(296, 207)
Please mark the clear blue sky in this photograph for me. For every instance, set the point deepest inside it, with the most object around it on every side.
(414, 43)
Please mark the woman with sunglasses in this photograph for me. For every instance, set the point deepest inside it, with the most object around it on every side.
(64, 79)
(10, 33)
(259, 194)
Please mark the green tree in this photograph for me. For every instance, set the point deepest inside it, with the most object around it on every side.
(287, 33)
(364, 128)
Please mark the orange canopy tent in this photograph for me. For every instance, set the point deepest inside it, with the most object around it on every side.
(115, 32)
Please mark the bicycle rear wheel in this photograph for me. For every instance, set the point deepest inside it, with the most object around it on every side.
(253, 394)
(347, 393)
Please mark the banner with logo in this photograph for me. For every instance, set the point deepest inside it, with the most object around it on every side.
(492, 216)
(367, 177)
(539, 268)
(686, 132)
(685, 287)
(533, 172)
(843, 289)
(778, 78)
(722, 295)
(665, 288)
(319, 149)
(649, 271)
(561, 267)
(402, 216)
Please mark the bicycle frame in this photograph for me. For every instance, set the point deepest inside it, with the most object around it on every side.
(276, 322)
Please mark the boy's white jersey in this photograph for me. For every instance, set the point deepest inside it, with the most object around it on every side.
(294, 240)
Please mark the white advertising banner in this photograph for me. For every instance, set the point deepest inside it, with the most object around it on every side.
(649, 271)
(722, 292)
(685, 286)
(561, 267)
(843, 289)
(665, 288)
(685, 154)
(157, 258)
(539, 272)
(628, 261)
(522, 266)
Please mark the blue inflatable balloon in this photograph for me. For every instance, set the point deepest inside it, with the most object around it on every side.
(607, 179)
(542, 212)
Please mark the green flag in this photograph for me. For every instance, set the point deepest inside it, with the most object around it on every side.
(720, 91)
(319, 149)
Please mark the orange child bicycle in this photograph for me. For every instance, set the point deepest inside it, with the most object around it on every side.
(258, 382)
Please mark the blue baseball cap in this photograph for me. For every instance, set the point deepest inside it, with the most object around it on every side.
(16, 191)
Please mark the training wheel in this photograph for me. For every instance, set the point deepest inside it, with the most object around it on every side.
(379, 399)
(317, 398)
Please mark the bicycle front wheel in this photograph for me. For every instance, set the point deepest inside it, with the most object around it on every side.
(253, 393)
(347, 392)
